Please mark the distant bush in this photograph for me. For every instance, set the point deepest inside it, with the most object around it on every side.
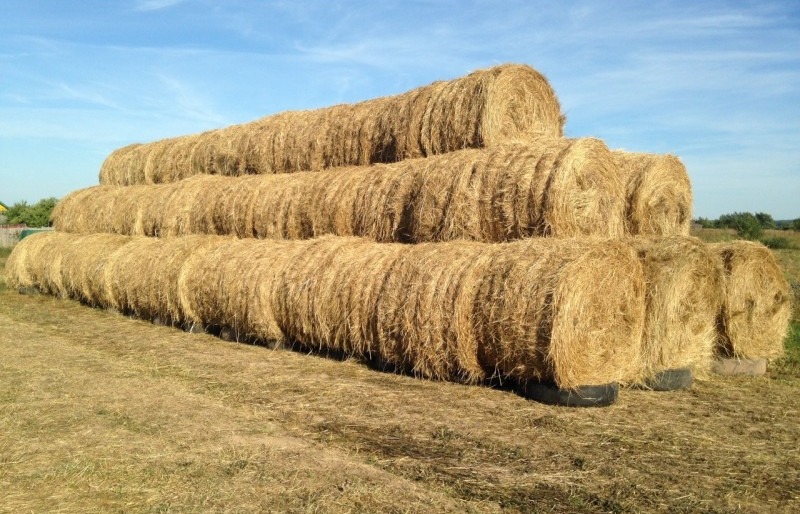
(777, 243)
(37, 215)
(706, 223)
(746, 224)
(765, 220)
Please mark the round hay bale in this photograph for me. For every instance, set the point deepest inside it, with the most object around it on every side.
(562, 310)
(122, 161)
(659, 194)
(35, 263)
(223, 283)
(154, 292)
(483, 109)
(544, 187)
(179, 152)
(426, 313)
(86, 258)
(567, 311)
(570, 311)
(19, 269)
(684, 294)
(74, 212)
(756, 307)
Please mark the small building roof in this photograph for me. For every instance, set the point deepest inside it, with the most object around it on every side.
(3, 207)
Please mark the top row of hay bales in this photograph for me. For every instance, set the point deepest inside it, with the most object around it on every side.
(490, 108)
(483, 109)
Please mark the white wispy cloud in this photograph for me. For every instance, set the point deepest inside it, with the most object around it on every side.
(156, 5)
(190, 103)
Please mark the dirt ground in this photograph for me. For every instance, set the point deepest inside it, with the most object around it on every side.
(101, 413)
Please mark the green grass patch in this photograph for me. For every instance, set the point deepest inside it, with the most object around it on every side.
(5, 252)
(789, 364)
(777, 243)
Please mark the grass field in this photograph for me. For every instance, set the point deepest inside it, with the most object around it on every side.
(101, 413)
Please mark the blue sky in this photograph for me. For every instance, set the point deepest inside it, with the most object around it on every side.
(716, 83)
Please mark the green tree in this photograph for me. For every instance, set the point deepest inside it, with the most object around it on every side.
(765, 220)
(37, 215)
(796, 224)
(746, 224)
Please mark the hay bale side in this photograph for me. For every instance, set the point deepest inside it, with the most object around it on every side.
(756, 307)
(20, 263)
(144, 278)
(222, 283)
(84, 277)
(545, 187)
(684, 295)
(659, 194)
(121, 162)
(483, 109)
(571, 311)
(566, 310)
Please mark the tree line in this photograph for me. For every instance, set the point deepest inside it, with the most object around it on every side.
(749, 225)
(36, 215)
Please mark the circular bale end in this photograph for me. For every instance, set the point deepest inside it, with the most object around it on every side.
(598, 316)
(520, 104)
(756, 307)
(658, 194)
(584, 194)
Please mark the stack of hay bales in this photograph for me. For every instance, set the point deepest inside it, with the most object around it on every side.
(533, 257)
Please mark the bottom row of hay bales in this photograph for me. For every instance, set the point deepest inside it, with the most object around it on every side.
(571, 311)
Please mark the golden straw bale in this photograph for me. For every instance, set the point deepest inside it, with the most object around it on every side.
(483, 109)
(20, 272)
(567, 310)
(571, 311)
(35, 262)
(308, 298)
(181, 151)
(122, 161)
(544, 187)
(144, 278)
(756, 307)
(180, 204)
(684, 295)
(223, 283)
(659, 194)
(88, 257)
(76, 212)
(426, 313)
